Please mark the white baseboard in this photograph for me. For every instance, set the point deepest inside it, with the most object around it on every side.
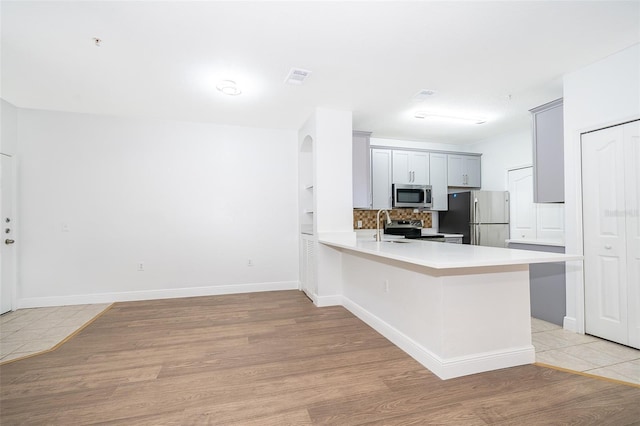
(323, 301)
(83, 299)
(416, 351)
(443, 368)
(570, 323)
(487, 361)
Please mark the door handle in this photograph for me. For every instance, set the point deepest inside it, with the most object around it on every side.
(608, 247)
(9, 241)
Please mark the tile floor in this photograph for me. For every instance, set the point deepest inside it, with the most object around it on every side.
(587, 354)
(28, 331)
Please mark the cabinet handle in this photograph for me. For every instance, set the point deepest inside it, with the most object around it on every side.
(409, 175)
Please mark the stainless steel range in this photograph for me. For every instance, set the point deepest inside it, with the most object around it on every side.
(411, 229)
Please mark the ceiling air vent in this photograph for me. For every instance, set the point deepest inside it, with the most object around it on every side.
(423, 94)
(297, 76)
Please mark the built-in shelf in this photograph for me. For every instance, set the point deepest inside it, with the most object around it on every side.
(306, 192)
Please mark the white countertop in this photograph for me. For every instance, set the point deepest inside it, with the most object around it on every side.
(437, 255)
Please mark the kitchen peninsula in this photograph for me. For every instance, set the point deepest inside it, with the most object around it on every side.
(457, 309)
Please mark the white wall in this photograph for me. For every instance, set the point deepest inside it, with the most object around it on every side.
(333, 169)
(98, 195)
(501, 153)
(599, 95)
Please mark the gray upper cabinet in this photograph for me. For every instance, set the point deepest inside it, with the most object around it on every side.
(381, 178)
(376, 169)
(361, 170)
(463, 170)
(548, 153)
(410, 167)
(438, 180)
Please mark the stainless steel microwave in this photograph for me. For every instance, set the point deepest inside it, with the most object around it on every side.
(416, 196)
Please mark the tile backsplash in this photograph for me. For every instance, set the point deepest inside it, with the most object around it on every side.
(368, 217)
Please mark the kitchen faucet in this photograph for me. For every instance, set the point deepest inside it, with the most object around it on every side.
(378, 236)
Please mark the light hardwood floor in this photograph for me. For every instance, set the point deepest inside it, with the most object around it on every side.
(275, 359)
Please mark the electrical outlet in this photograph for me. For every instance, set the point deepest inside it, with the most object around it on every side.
(359, 224)
(249, 262)
(140, 266)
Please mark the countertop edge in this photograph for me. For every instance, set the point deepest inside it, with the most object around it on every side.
(537, 243)
(533, 258)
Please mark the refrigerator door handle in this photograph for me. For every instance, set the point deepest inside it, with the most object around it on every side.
(476, 234)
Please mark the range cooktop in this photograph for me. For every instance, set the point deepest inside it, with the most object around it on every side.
(409, 229)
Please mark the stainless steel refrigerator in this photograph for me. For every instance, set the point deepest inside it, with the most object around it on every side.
(482, 217)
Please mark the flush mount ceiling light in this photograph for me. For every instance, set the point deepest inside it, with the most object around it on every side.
(449, 118)
(229, 87)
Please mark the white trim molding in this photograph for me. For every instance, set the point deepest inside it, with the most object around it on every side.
(129, 296)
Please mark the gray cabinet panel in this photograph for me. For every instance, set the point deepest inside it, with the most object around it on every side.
(548, 153)
(381, 178)
(547, 285)
(361, 170)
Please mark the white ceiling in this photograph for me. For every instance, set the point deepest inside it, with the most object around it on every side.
(162, 59)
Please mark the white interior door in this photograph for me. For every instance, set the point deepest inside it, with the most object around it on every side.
(522, 214)
(632, 180)
(7, 249)
(605, 245)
